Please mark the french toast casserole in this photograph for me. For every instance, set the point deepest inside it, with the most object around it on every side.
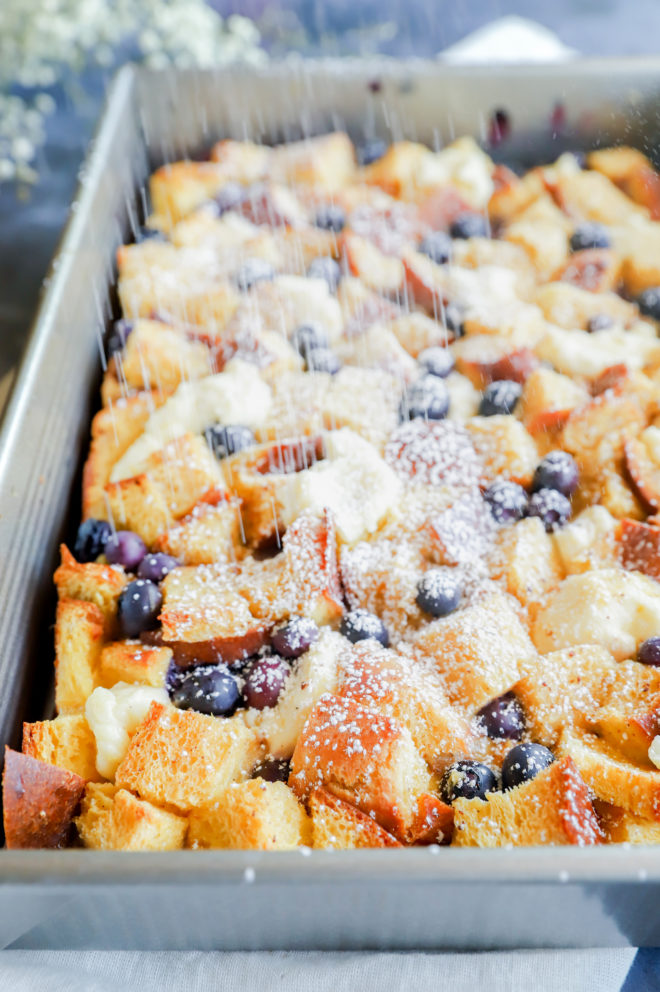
(370, 551)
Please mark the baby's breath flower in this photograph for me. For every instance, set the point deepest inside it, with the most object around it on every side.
(43, 41)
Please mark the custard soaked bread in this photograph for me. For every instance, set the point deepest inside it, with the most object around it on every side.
(370, 554)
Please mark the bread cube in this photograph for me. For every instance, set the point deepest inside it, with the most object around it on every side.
(338, 825)
(113, 819)
(553, 808)
(79, 632)
(364, 399)
(377, 348)
(66, 741)
(210, 532)
(184, 759)
(525, 557)
(90, 582)
(611, 776)
(397, 170)
(416, 331)
(363, 758)
(114, 429)
(479, 651)
(381, 680)
(606, 606)
(253, 815)
(133, 661)
(326, 161)
(139, 504)
(157, 356)
(597, 270)
(310, 583)
(588, 541)
(39, 801)
(541, 229)
(546, 403)
(505, 447)
(205, 620)
(629, 729)
(642, 458)
(623, 827)
(571, 306)
(513, 194)
(591, 195)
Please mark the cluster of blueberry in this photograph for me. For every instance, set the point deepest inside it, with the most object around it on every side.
(555, 480)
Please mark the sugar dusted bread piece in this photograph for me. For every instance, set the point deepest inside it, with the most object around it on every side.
(114, 429)
(612, 777)
(505, 447)
(380, 680)
(39, 801)
(338, 825)
(326, 161)
(79, 632)
(571, 306)
(310, 584)
(606, 606)
(591, 195)
(363, 758)
(90, 582)
(546, 402)
(66, 741)
(210, 532)
(157, 356)
(204, 618)
(620, 826)
(133, 661)
(253, 815)
(553, 808)
(525, 558)
(479, 651)
(588, 541)
(184, 759)
(542, 230)
(313, 675)
(113, 819)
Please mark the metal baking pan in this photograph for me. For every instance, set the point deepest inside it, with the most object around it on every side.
(424, 898)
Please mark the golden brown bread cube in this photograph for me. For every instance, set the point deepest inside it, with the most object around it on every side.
(139, 504)
(210, 532)
(620, 826)
(252, 815)
(571, 306)
(338, 825)
(336, 750)
(184, 759)
(591, 195)
(326, 161)
(157, 356)
(133, 661)
(385, 682)
(67, 741)
(113, 819)
(611, 776)
(479, 651)
(505, 448)
(39, 801)
(396, 172)
(79, 632)
(91, 582)
(553, 808)
(542, 230)
(524, 556)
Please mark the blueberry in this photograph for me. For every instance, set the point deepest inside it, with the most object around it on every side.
(138, 607)
(648, 653)
(469, 225)
(264, 680)
(502, 718)
(437, 246)
(309, 336)
(439, 592)
(209, 689)
(156, 566)
(453, 319)
(371, 150)
(589, 236)
(294, 637)
(599, 322)
(91, 539)
(500, 398)
(507, 500)
(467, 779)
(322, 360)
(252, 271)
(120, 333)
(125, 548)
(330, 217)
(551, 506)
(325, 268)
(428, 398)
(227, 439)
(559, 471)
(231, 196)
(523, 763)
(436, 361)
(359, 625)
(272, 769)
(649, 302)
